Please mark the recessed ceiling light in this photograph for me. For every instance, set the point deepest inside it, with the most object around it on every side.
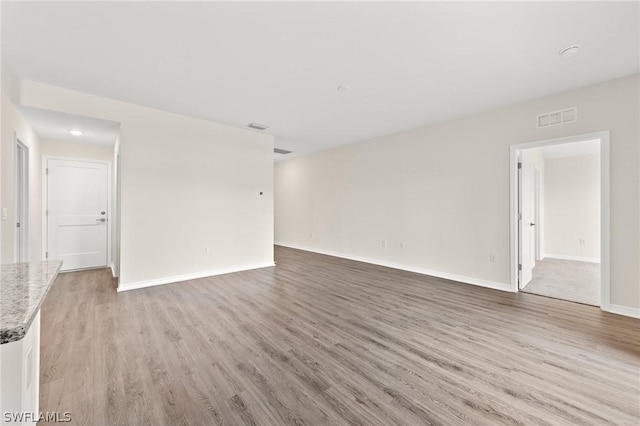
(75, 132)
(569, 51)
(342, 88)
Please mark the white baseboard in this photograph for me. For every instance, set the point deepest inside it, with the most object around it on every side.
(622, 310)
(445, 275)
(194, 276)
(576, 258)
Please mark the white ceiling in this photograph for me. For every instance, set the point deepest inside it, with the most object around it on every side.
(575, 149)
(55, 126)
(407, 64)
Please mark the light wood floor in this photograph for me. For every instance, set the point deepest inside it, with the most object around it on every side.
(320, 340)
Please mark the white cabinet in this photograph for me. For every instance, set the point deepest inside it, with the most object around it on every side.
(20, 378)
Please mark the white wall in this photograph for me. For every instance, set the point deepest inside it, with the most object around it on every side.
(187, 185)
(443, 190)
(572, 209)
(14, 123)
(76, 150)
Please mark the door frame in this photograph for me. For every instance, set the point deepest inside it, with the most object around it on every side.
(21, 204)
(530, 263)
(45, 200)
(115, 262)
(605, 207)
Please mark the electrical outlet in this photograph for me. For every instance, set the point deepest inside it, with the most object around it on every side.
(582, 241)
(206, 249)
(402, 245)
(310, 234)
(384, 243)
(492, 257)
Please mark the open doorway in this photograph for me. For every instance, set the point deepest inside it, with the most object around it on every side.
(77, 154)
(22, 202)
(560, 218)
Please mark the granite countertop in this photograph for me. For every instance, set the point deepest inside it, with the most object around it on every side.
(23, 287)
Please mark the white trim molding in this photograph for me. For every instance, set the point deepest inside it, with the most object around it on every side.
(448, 276)
(188, 277)
(576, 258)
(622, 310)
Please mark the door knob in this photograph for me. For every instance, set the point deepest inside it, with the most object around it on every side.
(532, 224)
(102, 219)
(102, 212)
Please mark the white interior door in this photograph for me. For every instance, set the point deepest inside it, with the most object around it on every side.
(77, 210)
(525, 192)
(537, 215)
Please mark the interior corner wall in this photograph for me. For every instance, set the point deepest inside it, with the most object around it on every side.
(13, 124)
(572, 208)
(190, 189)
(438, 196)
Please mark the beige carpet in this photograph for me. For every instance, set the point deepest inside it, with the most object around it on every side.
(567, 280)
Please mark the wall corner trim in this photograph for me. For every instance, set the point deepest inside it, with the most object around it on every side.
(194, 276)
(445, 275)
(622, 310)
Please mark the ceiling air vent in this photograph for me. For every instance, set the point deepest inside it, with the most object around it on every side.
(281, 151)
(257, 126)
(555, 118)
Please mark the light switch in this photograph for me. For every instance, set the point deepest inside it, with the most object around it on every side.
(5, 212)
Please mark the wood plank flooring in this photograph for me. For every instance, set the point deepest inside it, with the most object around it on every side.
(325, 341)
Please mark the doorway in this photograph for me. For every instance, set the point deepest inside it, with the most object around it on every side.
(77, 212)
(21, 202)
(560, 218)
